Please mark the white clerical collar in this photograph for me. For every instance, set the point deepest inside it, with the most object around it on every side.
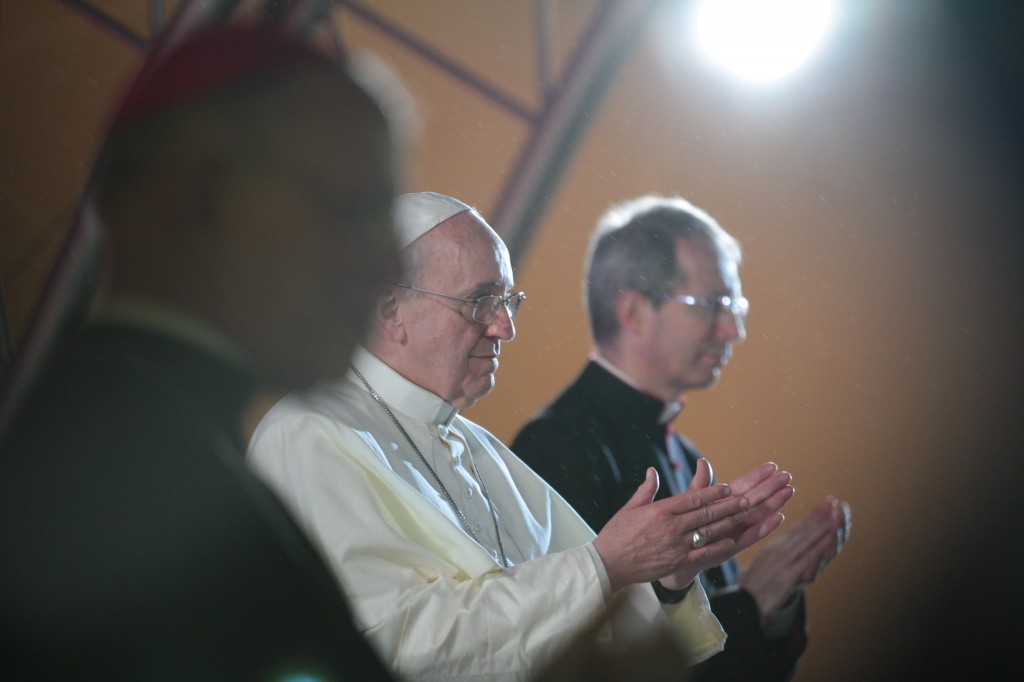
(668, 413)
(399, 393)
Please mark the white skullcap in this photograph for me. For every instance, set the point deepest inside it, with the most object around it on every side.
(417, 213)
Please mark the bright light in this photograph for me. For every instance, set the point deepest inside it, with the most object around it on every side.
(762, 39)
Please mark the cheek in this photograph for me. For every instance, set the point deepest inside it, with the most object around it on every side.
(477, 383)
(436, 345)
(472, 368)
(679, 354)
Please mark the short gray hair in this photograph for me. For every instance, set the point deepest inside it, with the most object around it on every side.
(633, 248)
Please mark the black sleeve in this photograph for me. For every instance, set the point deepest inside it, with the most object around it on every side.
(748, 654)
(567, 455)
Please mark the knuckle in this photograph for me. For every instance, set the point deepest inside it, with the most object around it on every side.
(723, 509)
(694, 499)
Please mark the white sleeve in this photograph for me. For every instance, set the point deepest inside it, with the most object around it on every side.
(431, 601)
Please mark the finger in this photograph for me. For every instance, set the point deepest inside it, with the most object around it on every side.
(846, 520)
(646, 491)
(726, 527)
(770, 524)
(839, 519)
(702, 477)
(818, 560)
(840, 512)
(796, 544)
(694, 499)
(747, 481)
(835, 516)
(759, 530)
(717, 520)
(775, 503)
(842, 518)
(768, 487)
(713, 553)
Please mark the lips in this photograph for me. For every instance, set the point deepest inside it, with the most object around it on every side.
(488, 353)
(719, 357)
(489, 358)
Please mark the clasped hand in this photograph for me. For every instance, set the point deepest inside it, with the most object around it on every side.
(650, 540)
(798, 556)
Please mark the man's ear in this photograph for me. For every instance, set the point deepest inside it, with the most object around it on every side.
(633, 311)
(387, 316)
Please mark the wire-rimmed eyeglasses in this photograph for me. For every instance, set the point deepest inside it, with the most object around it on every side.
(713, 306)
(485, 308)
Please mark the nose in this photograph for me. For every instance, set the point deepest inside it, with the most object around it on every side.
(730, 327)
(502, 326)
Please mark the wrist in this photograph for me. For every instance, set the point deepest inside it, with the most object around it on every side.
(678, 581)
(668, 595)
(780, 621)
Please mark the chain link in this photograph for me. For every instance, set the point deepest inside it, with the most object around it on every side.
(466, 526)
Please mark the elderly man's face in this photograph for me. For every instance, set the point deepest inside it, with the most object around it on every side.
(688, 346)
(452, 355)
(309, 242)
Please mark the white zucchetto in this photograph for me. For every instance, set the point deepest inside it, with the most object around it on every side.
(417, 213)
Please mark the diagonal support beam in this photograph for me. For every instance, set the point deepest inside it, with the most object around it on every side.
(441, 61)
(539, 170)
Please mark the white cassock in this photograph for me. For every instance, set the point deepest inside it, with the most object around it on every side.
(436, 603)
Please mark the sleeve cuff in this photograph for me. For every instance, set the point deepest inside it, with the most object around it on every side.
(667, 596)
(780, 621)
(602, 572)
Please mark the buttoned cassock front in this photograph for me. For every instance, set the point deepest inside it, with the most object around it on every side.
(436, 603)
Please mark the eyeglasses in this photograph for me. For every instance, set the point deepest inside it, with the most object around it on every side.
(711, 308)
(485, 308)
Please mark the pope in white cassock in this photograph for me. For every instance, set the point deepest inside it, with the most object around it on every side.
(458, 560)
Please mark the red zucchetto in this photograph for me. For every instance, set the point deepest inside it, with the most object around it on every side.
(213, 58)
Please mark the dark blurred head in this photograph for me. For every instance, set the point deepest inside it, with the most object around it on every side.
(247, 180)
